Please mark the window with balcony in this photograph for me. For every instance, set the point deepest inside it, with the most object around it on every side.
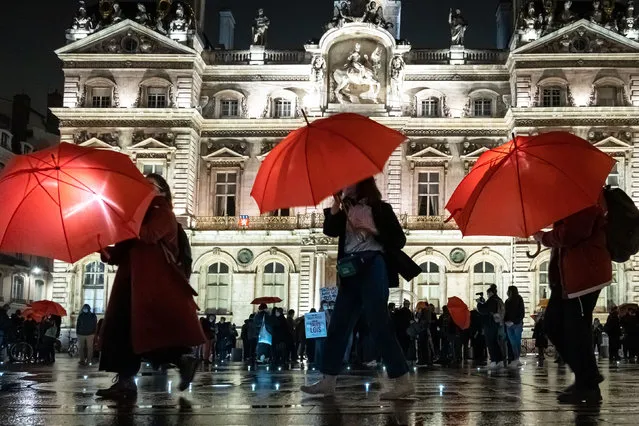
(283, 108)
(156, 97)
(609, 96)
(482, 107)
(218, 288)
(280, 213)
(229, 108)
(17, 289)
(428, 193)
(225, 193)
(101, 97)
(430, 107)
(552, 97)
(429, 284)
(93, 285)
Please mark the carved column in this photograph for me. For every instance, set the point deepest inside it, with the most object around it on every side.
(306, 283)
(320, 276)
(394, 179)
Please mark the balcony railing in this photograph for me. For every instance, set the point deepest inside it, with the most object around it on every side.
(309, 221)
(286, 57)
(231, 57)
(442, 56)
(428, 56)
(243, 57)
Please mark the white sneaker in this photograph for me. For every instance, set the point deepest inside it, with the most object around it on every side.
(325, 387)
(403, 387)
(518, 362)
(492, 365)
(500, 364)
(372, 364)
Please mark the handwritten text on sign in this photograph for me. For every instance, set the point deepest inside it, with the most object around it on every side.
(315, 324)
(328, 294)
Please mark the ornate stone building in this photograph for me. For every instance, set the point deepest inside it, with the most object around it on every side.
(206, 119)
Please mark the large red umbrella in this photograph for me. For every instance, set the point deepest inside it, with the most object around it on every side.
(68, 201)
(321, 158)
(266, 300)
(529, 183)
(47, 307)
(30, 313)
(459, 312)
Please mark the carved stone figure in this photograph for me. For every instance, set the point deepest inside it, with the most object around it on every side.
(159, 25)
(359, 70)
(260, 28)
(397, 76)
(117, 15)
(548, 25)
(318, 69)
(179, 23)
(531, 24)
(341, 15)
(458, 27)
(375, 15)
(567, 16)
(597, 14)
(611, 22)
(82, 22)
(143, 18)
(630, 28)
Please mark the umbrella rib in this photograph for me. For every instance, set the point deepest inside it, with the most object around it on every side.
(64, 228)
(521, 195)
(308, 172)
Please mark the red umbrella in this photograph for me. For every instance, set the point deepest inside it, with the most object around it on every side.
(529, 183)
(47, 307)
(68, 201)
(266, 300)
(30, 313)
(459, 312)
(321, 158)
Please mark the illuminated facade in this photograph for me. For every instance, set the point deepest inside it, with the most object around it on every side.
(206, 119)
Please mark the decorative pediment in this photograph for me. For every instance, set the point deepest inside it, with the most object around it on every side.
(98, 144)
(422, 154)
(152, 144)
(615, 147)
(225, 157)
(472, 151)
(153, 140)
(266, 147)
(581, 37)
(86, 138)
(127, 37)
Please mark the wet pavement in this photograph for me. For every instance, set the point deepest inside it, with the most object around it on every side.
(63, 394)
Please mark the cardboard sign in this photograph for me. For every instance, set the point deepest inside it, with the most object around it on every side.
(315, 324)
(328, 293)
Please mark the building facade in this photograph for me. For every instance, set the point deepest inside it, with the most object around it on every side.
(206, 119)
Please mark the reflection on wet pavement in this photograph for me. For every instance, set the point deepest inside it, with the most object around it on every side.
(236, 395)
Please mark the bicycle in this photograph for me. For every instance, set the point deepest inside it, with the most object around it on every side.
(73, 348)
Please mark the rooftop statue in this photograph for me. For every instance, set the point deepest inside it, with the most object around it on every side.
(260, 28)
(458, 27)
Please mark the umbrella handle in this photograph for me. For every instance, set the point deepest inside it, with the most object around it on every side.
(535, 254)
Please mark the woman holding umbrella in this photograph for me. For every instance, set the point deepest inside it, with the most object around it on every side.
(369, 260)
(151, 312)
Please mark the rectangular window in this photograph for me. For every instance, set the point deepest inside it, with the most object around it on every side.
(428, 190)
(551, 97)
(157, 168)
(4, 141)
(229, 108)
(608, 96)
(17, 288)
(156, 97)
(280, 213)
(544, 288)
(39, 290)
(283, 108)
(101, 97)
(94, 297)
(430, 107)
(483, 107)
(26, 148)
(225, 193)
(614, 178)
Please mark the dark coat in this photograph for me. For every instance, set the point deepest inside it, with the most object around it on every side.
(163, 311)
(539, 334)
(403, 318)
(87, 324)
(515, 310)
(613, 325)
(580, 262)
(207, 328)
(391, 236)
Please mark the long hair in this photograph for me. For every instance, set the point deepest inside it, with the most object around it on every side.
(163, 186)
(367, 189)
(513, 290)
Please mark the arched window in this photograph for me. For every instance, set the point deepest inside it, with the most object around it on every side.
(274, 280)
(429, 283)
(218, 288)
(543, 290)
(552, 92)
(17, 289)
(483, 276)
(93, 285)
(101, 93)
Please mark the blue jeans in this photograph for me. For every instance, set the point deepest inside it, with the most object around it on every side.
(514, 337)
(364, 294)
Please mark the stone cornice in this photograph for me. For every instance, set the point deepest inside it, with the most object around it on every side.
(457, 77)
(128, 117)
(573, 116)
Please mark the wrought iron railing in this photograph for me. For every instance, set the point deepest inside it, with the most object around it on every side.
(308, 221)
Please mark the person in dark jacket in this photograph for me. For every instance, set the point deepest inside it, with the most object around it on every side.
(402, 320)
(613, 329)
(5, 327)
(208, 328)
(493, 325)
(451, 344)
(541, 340)
(477, 338)
(369, 262)
(249, 338)
(223, 338)
(580, 266)
(85, 329)
(514, 321)
(597, 335)
(281, 337)
(292, 346)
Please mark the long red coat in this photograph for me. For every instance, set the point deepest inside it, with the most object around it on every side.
(579, 250)
(163, 311)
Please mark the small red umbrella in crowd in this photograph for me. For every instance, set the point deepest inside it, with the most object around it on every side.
(459, 312)
(47, 307)
(529, 183)
(266, 300)
(30, 313)
(321, 158)
(68, 201)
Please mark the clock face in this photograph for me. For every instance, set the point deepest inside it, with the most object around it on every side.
(245, 256)
(457, 255)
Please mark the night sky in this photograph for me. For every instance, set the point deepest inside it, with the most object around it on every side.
(32, 30)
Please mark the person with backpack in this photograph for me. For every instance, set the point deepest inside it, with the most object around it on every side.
(151, 311)
(493, 311)
(514, 320)
(580, 266)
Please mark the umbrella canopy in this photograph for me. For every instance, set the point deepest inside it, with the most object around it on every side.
(528, 184)
(47, 307)
(266, 300)
(68, 201)
(30, 313)
(459, 312)
(321, 158)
